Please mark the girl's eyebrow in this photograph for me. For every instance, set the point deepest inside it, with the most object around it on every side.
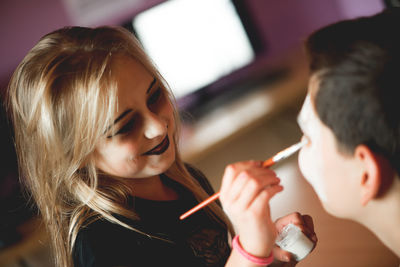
(126, 112)
(129, 110)
(151, 85)
(120, 117)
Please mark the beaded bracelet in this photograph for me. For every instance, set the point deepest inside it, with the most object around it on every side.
(256, 260)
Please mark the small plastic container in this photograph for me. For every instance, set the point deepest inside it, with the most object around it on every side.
(292, 239)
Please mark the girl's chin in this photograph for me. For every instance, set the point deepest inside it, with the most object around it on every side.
(163, 167)
(151, 166)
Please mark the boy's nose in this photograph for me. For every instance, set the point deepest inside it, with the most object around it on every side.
(154, 126)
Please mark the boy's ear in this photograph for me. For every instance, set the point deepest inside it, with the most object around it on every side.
(372, 172)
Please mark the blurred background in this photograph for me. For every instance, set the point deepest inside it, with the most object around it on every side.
(239, 74)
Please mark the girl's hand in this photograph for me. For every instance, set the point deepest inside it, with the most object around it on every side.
(246, 190)
(306, 225)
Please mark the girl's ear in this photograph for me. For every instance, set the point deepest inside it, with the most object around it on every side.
(372, 172)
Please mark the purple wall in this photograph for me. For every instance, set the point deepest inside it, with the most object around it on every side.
(282, 23)
(22, 24)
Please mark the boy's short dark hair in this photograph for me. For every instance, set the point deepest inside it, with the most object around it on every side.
(357, 63)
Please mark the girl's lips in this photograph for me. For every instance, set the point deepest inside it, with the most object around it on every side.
(160, 148)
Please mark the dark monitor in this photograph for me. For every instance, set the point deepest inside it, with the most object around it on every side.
(198, 46)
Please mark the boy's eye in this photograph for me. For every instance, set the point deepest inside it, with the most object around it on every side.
(304, 137)
(154, 97)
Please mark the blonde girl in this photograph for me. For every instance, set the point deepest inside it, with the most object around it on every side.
(96, 137)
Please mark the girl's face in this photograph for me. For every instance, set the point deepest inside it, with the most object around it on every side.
(333, 175)
(143, 141)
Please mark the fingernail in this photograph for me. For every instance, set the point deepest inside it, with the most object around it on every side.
(286, 258)
(314, 238)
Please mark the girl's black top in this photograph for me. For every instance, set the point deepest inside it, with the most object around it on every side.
(196, 241)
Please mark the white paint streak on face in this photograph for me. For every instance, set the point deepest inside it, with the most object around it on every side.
(310, 160)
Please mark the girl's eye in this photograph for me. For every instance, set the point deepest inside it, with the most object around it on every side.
(126, 128)
(154, 97)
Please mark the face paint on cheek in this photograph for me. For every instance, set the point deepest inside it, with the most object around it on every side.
(313, 174)
(310, 156)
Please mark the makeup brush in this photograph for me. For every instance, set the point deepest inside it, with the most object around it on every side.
(268, 163)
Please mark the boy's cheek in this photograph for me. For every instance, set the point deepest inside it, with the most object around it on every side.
(304, 165)
(310, 169)
(304, 159)
(300, 161)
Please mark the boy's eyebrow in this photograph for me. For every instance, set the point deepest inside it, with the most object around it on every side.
(151, 85)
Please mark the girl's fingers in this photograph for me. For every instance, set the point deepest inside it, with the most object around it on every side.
(306, 225)
(236, 188)
(294, 218)
(246, 168)
(309, 228)
(282, 255)
(233, 170)
(261, 201)
(308, 222)
(249, 184)
(304, 222)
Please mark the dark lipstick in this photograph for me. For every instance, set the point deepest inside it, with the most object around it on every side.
(160, 148)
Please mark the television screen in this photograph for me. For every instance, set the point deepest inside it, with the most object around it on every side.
(194, 43)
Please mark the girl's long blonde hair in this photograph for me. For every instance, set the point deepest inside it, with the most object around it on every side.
(61, 98)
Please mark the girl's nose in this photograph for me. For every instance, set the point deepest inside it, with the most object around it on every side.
(154, 126)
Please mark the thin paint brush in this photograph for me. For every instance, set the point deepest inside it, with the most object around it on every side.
(268, 163)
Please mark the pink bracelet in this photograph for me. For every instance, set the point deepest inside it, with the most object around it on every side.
(257, 260)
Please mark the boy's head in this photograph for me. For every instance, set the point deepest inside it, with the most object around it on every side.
(352, 112)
